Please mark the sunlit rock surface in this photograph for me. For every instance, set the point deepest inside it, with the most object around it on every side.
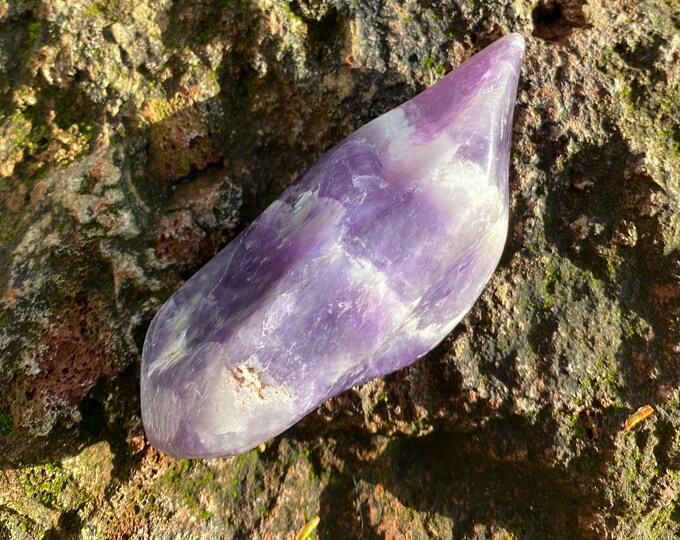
(365, 263)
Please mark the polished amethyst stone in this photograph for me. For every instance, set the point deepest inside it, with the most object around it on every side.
(364, 264)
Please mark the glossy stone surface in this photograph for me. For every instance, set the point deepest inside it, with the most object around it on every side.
(364, 264)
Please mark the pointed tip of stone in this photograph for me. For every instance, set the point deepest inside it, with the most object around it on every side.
(508, 48)
(516, 45)
(510, 51)
(516, 40)
(476, 98)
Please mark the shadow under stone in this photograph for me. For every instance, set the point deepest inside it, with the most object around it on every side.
(496, 475)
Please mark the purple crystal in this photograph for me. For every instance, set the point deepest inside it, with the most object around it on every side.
(365, 263)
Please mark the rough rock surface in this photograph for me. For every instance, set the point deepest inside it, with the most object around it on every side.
(136, 139)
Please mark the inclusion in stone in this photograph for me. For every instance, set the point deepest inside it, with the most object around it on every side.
(364, 264)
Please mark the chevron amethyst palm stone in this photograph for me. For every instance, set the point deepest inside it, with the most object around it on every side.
(364, 264)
